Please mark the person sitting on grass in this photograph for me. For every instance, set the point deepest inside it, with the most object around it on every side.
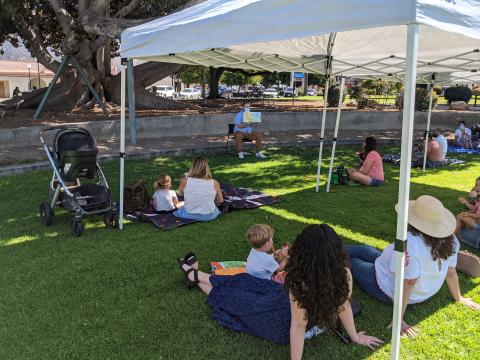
(201, 193)
(441, 140)
(245, 131)
(263, 308)
(435, 153)
(463, 136)
(430, 260)
(469, 219)
(164, 199)
(260, 263)
(371, 170)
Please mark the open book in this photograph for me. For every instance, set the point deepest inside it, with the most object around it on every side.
(252, 117)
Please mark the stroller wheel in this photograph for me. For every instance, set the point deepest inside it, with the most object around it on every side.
(77, 228)
(46, 214)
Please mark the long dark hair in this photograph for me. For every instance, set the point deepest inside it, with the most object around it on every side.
(441, 248)
(370, 144)
(316, 273)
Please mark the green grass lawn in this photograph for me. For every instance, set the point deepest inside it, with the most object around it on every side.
(119, 295)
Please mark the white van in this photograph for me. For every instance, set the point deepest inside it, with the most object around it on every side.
(165, 91)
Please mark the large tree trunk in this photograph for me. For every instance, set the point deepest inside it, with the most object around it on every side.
(215, 75)
(144, 75)
(88, 39)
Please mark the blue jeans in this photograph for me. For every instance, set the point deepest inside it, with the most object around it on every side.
(471, 237)
(182, 213)
(376, 182)
(362, 265)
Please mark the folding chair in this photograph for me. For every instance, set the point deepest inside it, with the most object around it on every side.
(232, 135)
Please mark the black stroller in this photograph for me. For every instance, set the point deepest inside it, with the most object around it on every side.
(73, 156)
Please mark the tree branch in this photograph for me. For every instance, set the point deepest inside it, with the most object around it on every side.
(64, 18)
(249, 72)
(109, 27)
(127, 9)
(36, 43)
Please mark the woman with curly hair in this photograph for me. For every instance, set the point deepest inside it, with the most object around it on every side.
(430, 260)
(317, 291)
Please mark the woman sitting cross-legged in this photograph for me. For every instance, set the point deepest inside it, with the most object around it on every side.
(430, 260)
(201, 193)
(371, 170)
(317, 290)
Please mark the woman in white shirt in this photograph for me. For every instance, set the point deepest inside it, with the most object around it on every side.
(430, 260)
(201, 193)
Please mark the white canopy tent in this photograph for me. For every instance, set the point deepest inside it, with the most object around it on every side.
(345, 37)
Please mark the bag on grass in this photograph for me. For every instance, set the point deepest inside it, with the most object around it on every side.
(339, 176)
(135, 196)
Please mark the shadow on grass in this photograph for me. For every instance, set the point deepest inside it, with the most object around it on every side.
(118, 294)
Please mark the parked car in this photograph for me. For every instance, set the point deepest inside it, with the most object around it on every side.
(245, 91)
(271, 92)
(165, 91)
(311, 92)
(280, 88)
(226, 93)
(290, 91)
(191, 94)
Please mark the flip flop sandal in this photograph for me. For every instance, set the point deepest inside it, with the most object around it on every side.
(468, 263)
(190, 259)
(188, 283)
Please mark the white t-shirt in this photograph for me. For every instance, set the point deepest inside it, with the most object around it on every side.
(418, 265)
(199, 196)
(261, 265)
(163, 199)
(443, 144)
(458, 132)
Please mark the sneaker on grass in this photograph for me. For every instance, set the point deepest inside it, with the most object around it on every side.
(240, 155)
(260, 155)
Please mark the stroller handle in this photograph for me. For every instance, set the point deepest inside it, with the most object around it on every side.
(58, 128)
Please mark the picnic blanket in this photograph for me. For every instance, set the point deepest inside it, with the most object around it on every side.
(228, 267)
(394, 159)
(460, 150)
(234, 198)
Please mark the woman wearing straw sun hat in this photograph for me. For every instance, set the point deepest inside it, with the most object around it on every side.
(430, 259)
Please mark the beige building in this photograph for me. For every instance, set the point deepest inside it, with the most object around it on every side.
(25, 75)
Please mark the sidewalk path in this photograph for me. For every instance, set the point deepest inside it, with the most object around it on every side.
(20, 158)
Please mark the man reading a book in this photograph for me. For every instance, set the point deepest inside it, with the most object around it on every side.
(244, 130)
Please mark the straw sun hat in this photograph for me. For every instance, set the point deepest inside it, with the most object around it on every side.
(428, 215)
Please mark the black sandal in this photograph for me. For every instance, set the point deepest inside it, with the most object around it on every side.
(190, 259)
(188, 283)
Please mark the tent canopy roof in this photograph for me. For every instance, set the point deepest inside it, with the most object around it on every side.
(293, 35)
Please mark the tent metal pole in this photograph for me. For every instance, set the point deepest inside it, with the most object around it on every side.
(427, 132)
(404, 183)
(322, 131)
(335, 134)
(131, 102)
(45, 97)
(122, 140)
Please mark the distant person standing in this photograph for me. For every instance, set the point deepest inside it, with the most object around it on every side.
(245, 131)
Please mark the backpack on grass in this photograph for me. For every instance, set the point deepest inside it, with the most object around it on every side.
(135, 196)
(339, 176)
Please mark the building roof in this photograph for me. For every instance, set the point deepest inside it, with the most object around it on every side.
(20, 68)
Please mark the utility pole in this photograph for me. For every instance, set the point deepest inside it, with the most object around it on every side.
(38, 73)
(29, 77)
